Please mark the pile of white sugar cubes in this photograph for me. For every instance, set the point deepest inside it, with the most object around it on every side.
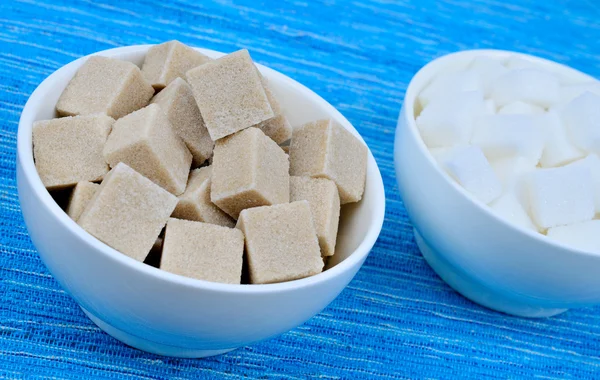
(524, 140)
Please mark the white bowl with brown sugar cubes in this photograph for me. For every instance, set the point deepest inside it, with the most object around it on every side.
(191, 201)
(497, 162)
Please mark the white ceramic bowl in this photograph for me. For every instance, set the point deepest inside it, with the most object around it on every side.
(169, 314)
(478, 254)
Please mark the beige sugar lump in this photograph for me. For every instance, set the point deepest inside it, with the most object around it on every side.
(249, 170)
(105, 85)
(324, 200)
(145, 141)
(203, 251)
(170, 60)
(69, 150)
(128, 212)
(178, 102)
(195, 203)
(281, 242)
(80, 197)
(325, 149)
(230, 94)
(278, 127)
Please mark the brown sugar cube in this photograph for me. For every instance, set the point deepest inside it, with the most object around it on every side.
(170, 60)
(278, 127)
(105, 85)
(80, 197)
(230, 94)
(69, 150)
(249, 170)
(203, 251)
(145, 141)
(195, 203)
(128, 212)
(324, 200)
(325, 149)
(281, 243)
(178, 102)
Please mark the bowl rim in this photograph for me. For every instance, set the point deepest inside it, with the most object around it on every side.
(25, 161)
(424, 76)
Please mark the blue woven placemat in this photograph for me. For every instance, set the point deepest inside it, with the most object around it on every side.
(397, 319)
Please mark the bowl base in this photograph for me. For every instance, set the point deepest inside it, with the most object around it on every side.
(150, 346)
(477, 292)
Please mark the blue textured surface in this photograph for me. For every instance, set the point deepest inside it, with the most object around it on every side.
(397, 319)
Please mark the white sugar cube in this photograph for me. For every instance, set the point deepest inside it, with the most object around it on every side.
(440, 155)
(561, 196)
(520, 108)
(510, 209)
(508, 136)
(558, 150)
(572, 91)
(471, 170)
(582, 119)
(490, 107)
(488, 69)
(527, 85)
(447, 84)
(511, 169)
(583, 236)
(593, 163)
(515, 62)
(448, 122)
(512, 173)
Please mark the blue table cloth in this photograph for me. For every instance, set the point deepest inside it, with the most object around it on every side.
(397, 319)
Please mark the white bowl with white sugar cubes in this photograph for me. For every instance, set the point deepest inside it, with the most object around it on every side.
(191, 201)
(496, 157)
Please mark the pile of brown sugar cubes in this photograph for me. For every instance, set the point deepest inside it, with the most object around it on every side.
(186, 157)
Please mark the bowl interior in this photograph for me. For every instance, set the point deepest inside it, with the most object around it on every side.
(360, 223)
